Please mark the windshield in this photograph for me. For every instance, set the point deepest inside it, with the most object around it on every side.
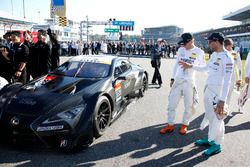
(83, 69)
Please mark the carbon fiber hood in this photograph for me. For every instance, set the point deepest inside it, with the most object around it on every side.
(37, 98)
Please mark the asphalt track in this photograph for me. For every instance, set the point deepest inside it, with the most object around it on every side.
(134, 139)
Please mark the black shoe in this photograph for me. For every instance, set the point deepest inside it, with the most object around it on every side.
(154, 83)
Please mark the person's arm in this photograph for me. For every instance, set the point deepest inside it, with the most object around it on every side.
(24, 59)
(227, 75)
(238, 71)
(247, 66)
(175, 69)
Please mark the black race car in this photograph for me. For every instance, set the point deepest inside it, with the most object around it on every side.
(70, 106)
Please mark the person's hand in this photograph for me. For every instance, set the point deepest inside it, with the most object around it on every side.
(18, 73)
(220, 108)
(49, 31)
(238, 84)
(185, 65)
(247, 80)
(171, 82)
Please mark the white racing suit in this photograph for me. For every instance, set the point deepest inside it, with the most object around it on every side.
(220, 69)
(188, 91)
(237, 70)
(184, 84)
(216, 126)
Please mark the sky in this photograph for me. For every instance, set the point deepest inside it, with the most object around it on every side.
(192, 15)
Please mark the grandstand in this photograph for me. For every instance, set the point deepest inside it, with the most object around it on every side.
(239, 33)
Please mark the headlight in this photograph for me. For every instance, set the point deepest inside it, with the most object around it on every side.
(71, 116)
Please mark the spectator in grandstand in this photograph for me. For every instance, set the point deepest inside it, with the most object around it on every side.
(41, 58)
(228, 43)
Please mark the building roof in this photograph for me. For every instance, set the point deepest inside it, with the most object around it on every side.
(239, 15)
(6, 18)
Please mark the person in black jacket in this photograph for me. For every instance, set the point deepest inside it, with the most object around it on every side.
(55, 50)
(156, 64)
(18, 56)
(6, 65)
(41, 56)
(28, 42)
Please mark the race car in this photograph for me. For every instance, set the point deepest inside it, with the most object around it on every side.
(71, 105)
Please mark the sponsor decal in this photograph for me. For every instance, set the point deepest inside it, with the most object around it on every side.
(234, 56)
(118, 91)
(194, 55)
(49, 128)
(228, 71)
(187, 60)
(217, 62)
(95, 60)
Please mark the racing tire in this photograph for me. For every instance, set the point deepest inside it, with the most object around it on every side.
(144, 86)
(102, 116)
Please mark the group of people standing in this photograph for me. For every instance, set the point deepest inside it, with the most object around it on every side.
(21, 60)
(217, 93)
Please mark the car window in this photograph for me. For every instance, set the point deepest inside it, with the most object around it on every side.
(121, 67)
(117, 72)
(83, 69)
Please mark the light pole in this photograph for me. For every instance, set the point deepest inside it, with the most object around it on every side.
(87, 29)
(23, 10)
(38, 16)
(12, 6)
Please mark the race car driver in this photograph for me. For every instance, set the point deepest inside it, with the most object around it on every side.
(183, 84)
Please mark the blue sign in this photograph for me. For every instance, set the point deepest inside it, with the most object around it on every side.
(58, 2)
(123, 23)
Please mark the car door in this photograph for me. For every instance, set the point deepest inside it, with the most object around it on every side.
(130, 76)
(118, 84)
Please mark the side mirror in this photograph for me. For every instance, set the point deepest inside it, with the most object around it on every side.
(121, 78)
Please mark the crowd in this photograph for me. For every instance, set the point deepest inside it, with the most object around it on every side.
(19, 61)
(122, 48)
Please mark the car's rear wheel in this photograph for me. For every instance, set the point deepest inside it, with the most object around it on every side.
(144, 86)
(102, 116)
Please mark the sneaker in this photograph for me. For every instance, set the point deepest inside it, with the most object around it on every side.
(183, 129)
(167, 129)
(203, 142)
(214, 149)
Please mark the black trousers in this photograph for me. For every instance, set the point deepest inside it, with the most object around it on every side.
(157, 74)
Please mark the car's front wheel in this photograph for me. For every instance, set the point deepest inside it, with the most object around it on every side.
(144, 86)
(102, 116)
